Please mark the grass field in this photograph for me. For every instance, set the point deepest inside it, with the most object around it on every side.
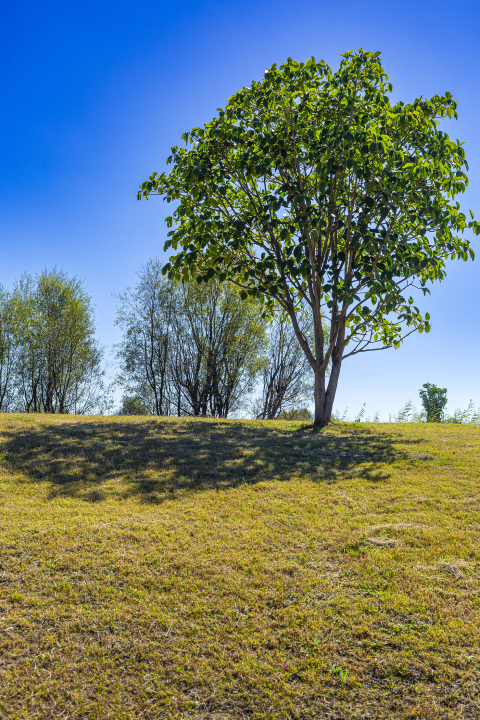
(164, 568)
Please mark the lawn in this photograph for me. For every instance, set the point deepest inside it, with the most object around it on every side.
(166, 568)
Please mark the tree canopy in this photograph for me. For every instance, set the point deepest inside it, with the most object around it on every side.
(50, 360)
(311, 189)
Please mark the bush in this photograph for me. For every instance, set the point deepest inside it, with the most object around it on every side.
(133, 406)
(296, 414)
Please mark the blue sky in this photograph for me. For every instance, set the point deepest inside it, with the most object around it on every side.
(94, 94)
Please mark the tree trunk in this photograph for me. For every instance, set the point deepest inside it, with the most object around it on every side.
(324, 397)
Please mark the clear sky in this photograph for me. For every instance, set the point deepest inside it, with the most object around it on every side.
(94, 94)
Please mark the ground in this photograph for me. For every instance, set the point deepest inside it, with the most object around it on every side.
(165, 568)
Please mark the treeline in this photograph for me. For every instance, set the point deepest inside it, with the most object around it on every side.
(185, 349)
(200, 350)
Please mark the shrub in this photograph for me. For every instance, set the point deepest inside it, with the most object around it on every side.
(133, 406)
(434, 400)
(296, 414)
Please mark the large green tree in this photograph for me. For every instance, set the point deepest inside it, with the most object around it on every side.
(312, 189)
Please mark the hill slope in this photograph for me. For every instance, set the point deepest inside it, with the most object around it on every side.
(164, 568)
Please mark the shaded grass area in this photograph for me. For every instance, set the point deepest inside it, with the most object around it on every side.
(155, 458)
(165, 568)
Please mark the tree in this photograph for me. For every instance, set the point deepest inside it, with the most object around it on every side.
(190, 349)
(9, 349)
(58, 367)
(287, 376)
(312, 189)
(145, 315)
(220, 339)
(434, 400)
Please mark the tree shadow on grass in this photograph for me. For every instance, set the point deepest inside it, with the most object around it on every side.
(158, 458)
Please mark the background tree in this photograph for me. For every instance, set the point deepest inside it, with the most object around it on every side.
(188, 349)
(58, 367)
(220, 348)
(9, 349)
(287, 376)
(434, 400)
(145, 314)
(311, 189)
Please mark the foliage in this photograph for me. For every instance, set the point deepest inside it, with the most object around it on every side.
(337, 416)
(434, 400)
(58, 362)
(468, 416)
(360, 414)
(311, 189)
(296, 414)
(408, 414)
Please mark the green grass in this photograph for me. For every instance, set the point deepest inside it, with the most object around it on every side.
(164, 568)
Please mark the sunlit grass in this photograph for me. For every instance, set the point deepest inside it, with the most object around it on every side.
(164, 568)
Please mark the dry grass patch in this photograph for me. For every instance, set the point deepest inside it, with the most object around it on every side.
(164, 568)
